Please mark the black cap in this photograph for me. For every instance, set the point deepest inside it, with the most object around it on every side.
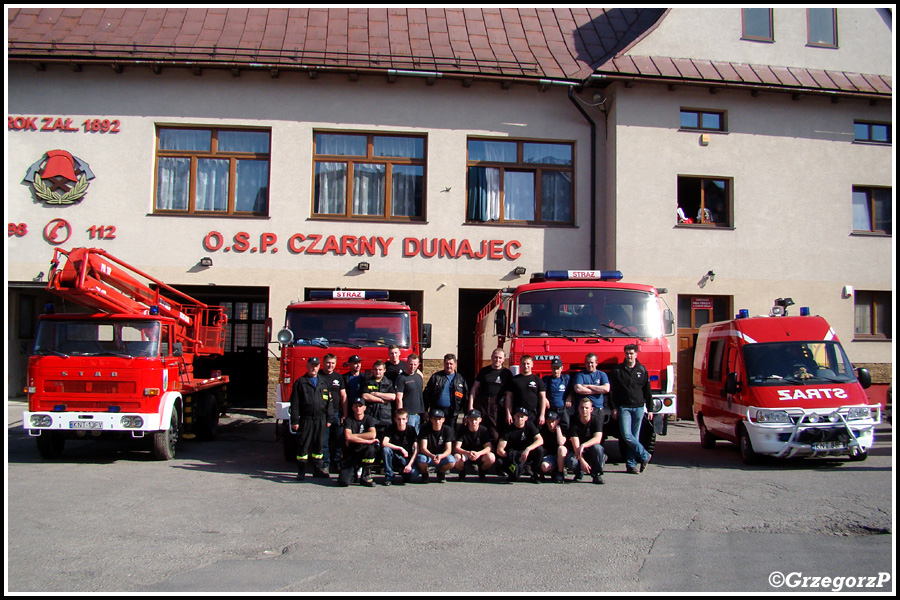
(522, 410)
(552, 416)
(556, 363)
(312, 360)
(358, 401)
(353, 360)
(436, 412)
(473, 414)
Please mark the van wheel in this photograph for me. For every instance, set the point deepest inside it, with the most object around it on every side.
(707, 440)
(747, 454)
(50, 445)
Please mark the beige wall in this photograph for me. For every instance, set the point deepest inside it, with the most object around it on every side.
(793, 165)
(864, 39)
(293, 106)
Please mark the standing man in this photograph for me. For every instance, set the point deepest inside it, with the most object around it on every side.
(394, 366)
(526, 390)
(379, 394)
(591, 383)
(557, 384)
(353, 380)
(409, 392)
(630, 396)
(311, 410)
(586, 435)
(447, 390)
(335, 381)
(488, 392)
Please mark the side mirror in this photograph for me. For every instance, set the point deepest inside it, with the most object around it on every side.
(500, 322)
(669, 321)
(177, 349)
(865, 378)
(732, 386)
(285, 337)
(425, 342)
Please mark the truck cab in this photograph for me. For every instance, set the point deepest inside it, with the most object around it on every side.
(781, 386)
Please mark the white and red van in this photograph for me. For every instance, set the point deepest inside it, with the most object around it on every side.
(781, 386)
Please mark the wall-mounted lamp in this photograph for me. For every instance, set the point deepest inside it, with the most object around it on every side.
(519, 271)
(847, 292)
(206, 261)
(39, 277)
(363, 266)
(710, 276)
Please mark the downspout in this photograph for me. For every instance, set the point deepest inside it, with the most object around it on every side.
(593, 260)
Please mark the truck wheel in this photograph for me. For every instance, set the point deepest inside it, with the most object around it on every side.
(747, 454)
(206, 421)
(164, 441)
(707, 440)
(50, 445)
(859, 457)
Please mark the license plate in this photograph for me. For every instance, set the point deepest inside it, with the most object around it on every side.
(819, 446)
(85, 425)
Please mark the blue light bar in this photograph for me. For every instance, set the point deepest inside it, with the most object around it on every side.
(348, 295)
(589, 275)
(804, 311)
(743, 313)
(154, 310)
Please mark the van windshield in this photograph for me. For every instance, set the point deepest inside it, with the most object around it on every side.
(354, 328)
(578, 312)
(798, 363)
(127, 339)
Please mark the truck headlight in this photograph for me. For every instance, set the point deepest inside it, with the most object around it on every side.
(41, 421)
(858, 412)
(773, 416)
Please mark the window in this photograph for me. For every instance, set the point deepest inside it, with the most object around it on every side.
(220, 171)
(872, 210)
(520, 182)
(873, 316)
(369, 176)
(246, 326)
(702, 120)
(757, 24)
(874, 133)
(704, 201)
(821, 27)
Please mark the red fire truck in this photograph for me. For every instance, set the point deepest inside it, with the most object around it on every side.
(138, 367)
(568, 314)
(343, 323)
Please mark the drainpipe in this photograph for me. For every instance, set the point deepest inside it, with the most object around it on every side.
(593, 259)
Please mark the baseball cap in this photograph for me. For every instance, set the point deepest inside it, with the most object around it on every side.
(522, 410)
(473, 414)
(358, 401)
(552, 416)
(353, 360)
(312, 360)
(436, 412)
(556, 363)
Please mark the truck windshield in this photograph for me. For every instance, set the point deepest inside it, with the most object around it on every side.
(798, 363)
(127, 339)
(602, 312)
(349, 328)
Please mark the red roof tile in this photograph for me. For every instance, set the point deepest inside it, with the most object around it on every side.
(557, 43)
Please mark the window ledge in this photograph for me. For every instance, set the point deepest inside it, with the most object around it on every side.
(706, 226)
(520, 224)
(874, 338)
(208, 215)
(875, 234)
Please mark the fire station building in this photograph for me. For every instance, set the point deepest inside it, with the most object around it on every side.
(250, 156)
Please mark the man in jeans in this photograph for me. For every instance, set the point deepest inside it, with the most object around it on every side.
(631, 395)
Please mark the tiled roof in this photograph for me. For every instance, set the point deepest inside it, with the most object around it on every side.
(568, 44)
(563, 43)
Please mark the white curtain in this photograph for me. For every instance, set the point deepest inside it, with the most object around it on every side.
(212, 185)
(368, 189)
(518, 188)
(172, 179)
(331, 188)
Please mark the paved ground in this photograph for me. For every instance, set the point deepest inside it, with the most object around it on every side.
(227, 516)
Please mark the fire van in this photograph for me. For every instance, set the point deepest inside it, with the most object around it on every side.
(781, 386)
(568, 314)
(343, 323)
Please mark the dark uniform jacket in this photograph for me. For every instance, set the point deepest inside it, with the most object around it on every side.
(381, 413)
(459, 391)
(631, 387)
(311, 402)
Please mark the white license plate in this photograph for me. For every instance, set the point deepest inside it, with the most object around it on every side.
(85, 425)
(819, 446)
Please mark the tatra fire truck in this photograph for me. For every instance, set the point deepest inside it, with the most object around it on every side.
(568, 314)
(344, 323)
(134, 368)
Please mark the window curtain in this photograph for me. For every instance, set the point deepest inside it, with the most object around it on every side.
(406, 191)
(556, 197)
(212, 185)
(518, 196)
(252, 186)
(172, 179)
(368, 189)
(483, 194)
(331, 188)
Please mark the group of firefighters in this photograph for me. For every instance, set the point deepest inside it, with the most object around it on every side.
(551, 424)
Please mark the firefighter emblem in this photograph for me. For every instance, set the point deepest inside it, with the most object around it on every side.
(59, 178)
